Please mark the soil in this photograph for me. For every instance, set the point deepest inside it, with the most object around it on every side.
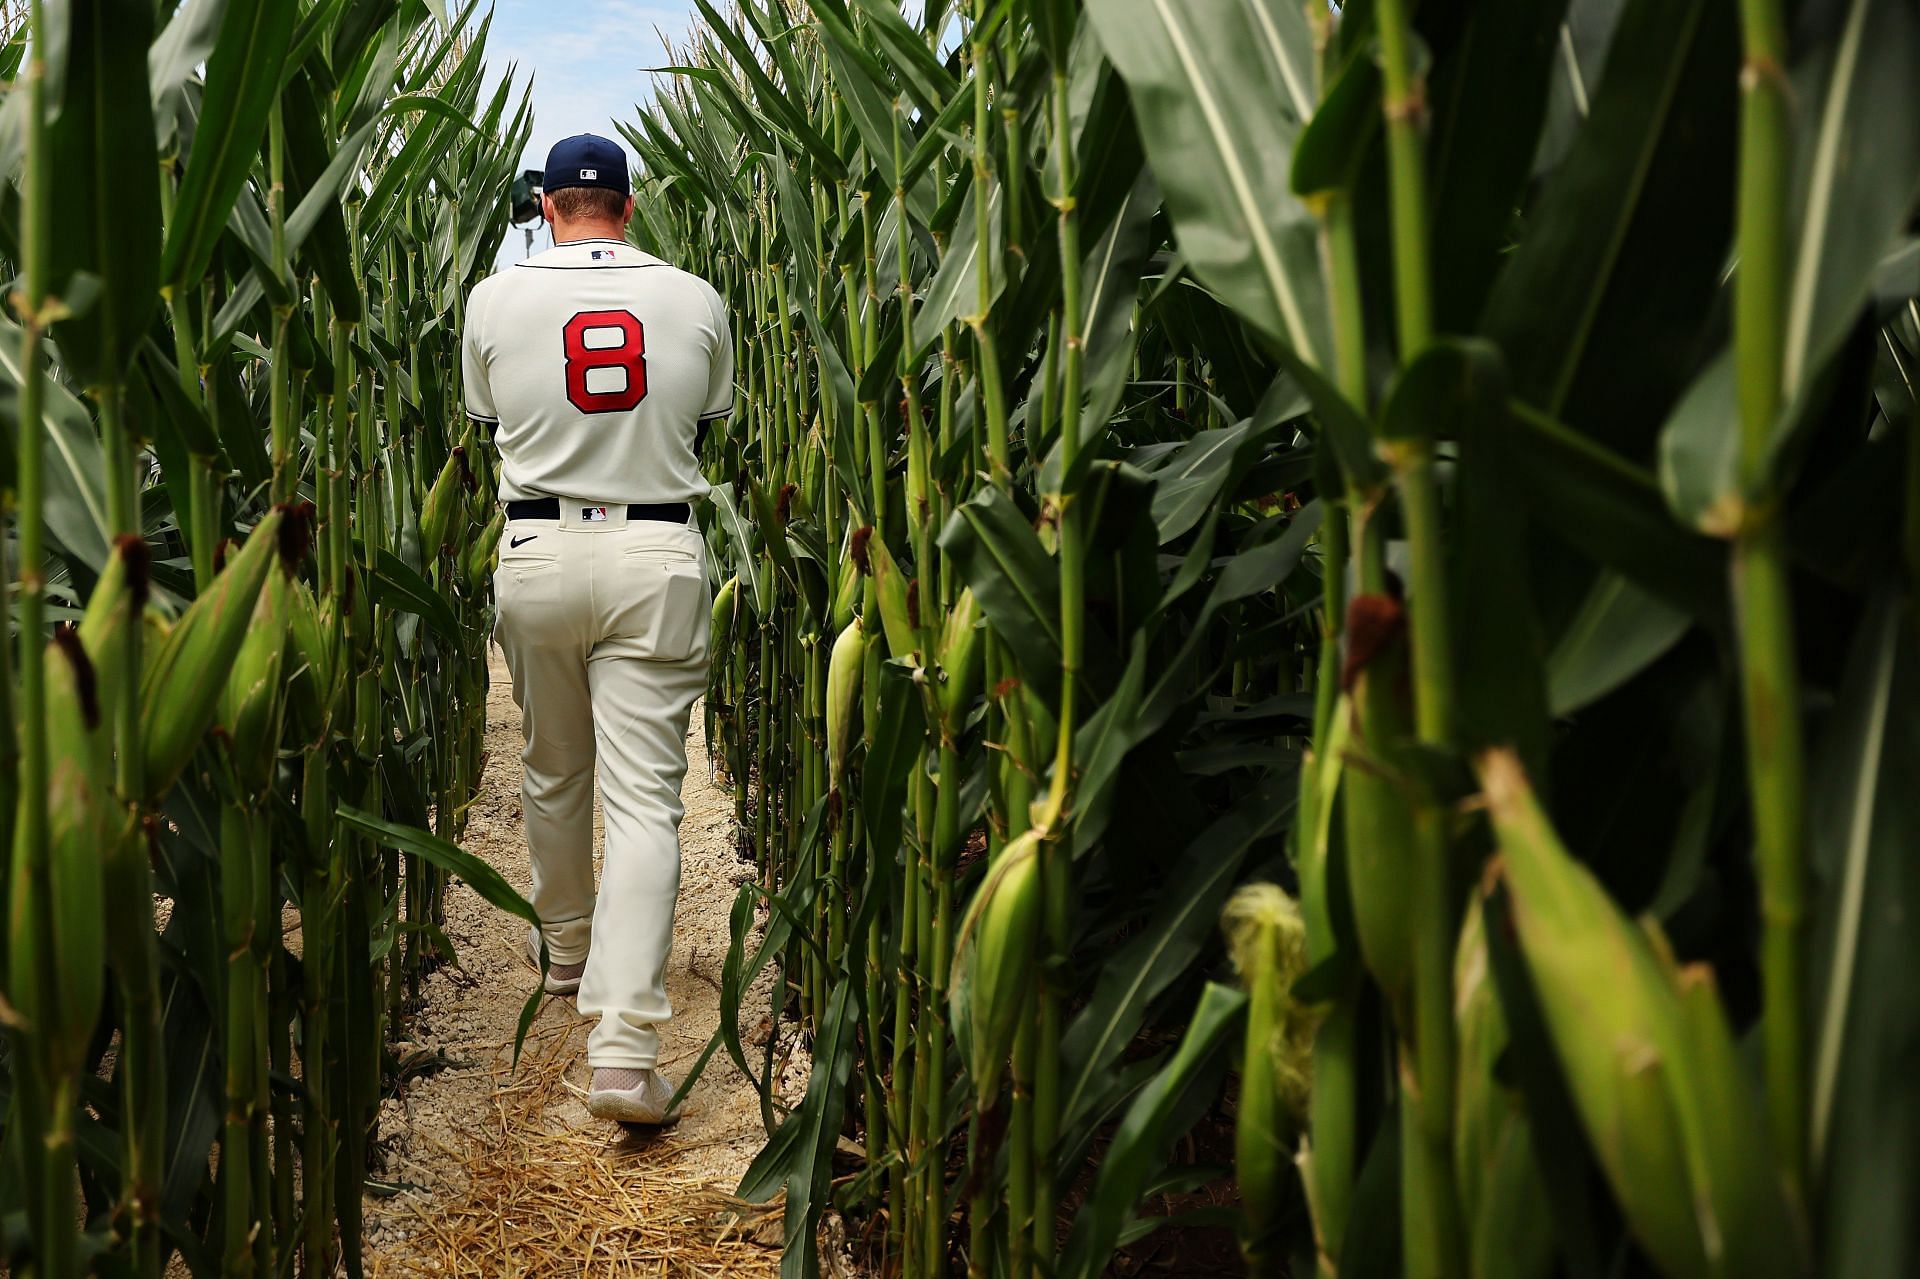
(488, 1168)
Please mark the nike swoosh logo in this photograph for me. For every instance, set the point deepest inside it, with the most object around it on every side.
(522, 541)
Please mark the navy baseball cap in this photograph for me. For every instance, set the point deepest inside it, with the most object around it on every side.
(586, 160)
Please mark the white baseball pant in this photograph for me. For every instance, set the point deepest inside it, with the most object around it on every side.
(604, 626)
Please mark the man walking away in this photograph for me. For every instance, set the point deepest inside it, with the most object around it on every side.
(600, 365)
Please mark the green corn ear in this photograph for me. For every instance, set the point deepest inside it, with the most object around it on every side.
(1761, 1233)
(253, 700)
(1509, 1225)
(844, 668)
(995, 962)
(478, 505)
(66, 929)
(891, 590)
(725, 602)
(773, 531)
(312, 665)
(81, 813)
(480, 555)
(156, 629)
(442, 503)
(1327, 1152)
(189, 673)
(119, 597)
(1613, 1018)
(1379, 814)
(962, 657)
(1481, 1029)
(1268, 941)
(846, 595)
(813, 476)
(1511, 1229)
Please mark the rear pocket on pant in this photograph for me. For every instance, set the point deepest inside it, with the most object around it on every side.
(666, 603)
(526, 583)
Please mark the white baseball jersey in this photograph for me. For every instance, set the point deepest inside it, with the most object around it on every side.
(599, 363)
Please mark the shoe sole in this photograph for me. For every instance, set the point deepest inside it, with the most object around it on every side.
(628, 1110)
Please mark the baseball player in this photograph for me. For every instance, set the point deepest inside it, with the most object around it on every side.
(598, 366)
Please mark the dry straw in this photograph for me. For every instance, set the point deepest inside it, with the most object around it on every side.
(545, 1197)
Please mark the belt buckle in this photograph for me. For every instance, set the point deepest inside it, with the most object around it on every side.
(594, 514)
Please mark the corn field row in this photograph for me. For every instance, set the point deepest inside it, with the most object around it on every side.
(249, 543)
(1431, 489)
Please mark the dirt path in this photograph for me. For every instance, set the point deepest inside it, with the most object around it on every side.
(493, 1171)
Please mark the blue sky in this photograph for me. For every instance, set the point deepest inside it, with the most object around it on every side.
(588, 59)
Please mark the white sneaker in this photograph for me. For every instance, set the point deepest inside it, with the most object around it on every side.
(631, 1096)
(562, 979)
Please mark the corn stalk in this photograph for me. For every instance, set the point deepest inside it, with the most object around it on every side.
(1188, 444)
(278, 667)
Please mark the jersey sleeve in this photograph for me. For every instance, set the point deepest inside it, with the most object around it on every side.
(473, 361)
(719, 401)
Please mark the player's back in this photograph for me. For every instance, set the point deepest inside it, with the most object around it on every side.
(598, 362)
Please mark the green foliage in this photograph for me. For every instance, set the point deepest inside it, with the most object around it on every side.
(249, 265)
(1291, 404)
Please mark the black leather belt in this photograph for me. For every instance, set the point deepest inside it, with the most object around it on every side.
(548, 508)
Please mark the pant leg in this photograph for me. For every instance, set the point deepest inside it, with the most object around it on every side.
(545, 604)
(645, 674)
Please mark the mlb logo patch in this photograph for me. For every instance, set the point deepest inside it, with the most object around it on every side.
(589, 175)
(602, 255)
(593, 514)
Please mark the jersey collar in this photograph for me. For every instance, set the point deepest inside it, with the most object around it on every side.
(595, 251)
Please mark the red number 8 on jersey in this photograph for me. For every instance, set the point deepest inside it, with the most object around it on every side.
(629, 354)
